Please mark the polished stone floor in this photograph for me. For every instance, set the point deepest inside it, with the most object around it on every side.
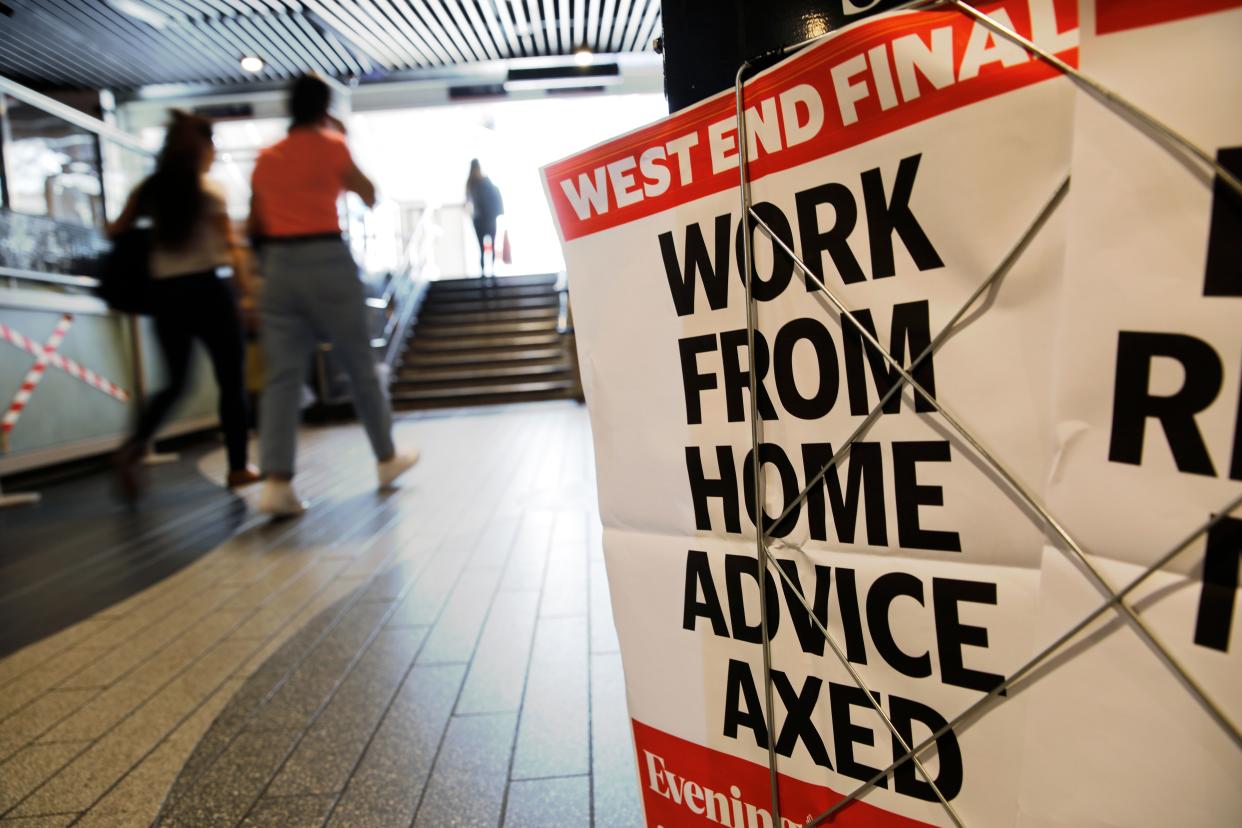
(439, 655)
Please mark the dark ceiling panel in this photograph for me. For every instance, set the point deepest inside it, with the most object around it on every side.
(124, 44)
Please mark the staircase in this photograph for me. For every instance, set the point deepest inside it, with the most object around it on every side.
(481, 342)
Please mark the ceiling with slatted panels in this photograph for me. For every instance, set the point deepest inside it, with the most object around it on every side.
(124, 44)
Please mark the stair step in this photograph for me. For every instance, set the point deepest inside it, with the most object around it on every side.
(503, 375)
(417, 361)
(487, 365)
(483, 400)
(484, 328)
(458, 305)
(437, 344)
(437, 316)
(476, 293)
(498, 282)
(473, 394)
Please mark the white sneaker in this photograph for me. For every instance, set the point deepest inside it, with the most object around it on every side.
(390, 470)
(279, 500)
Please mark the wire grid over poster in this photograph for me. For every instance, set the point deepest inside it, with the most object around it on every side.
(1114, 597)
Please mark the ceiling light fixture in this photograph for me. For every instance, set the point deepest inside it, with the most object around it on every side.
(252, 64)
(583, 56)
(140, 11)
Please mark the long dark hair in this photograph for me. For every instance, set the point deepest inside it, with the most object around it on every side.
(309, 99)
(173, 195)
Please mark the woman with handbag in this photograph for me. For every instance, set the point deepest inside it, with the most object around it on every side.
(191, 241)
(485, 205)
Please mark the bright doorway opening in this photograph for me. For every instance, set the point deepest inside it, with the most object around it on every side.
(423, 155)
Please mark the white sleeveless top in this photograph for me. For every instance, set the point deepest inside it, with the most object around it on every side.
(206, 249)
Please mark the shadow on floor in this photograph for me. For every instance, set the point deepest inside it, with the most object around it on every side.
(82, 549)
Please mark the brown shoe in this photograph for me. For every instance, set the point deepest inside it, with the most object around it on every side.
(126, 463)
(244, 477)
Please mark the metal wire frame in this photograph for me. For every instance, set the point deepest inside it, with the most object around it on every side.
(1018, 488)
(756, 436)
(1115, 599)
(995, 695)
(1103, 93)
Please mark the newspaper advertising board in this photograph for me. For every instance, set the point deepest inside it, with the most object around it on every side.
(869, 154)
(1148, 413)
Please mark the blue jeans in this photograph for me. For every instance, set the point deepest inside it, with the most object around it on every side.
(311, 293)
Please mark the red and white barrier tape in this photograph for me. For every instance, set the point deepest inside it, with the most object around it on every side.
(35, 375)
(65, 364)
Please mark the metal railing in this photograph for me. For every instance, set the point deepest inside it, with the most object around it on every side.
(74, 116)
(404, 295)
(18, 274)
(399, 303)
(565, 328)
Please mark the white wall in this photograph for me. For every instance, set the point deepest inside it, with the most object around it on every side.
(424, 155)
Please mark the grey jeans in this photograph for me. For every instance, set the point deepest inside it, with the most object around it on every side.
(311, 293)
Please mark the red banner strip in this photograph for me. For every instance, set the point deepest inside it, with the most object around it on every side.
(1121, 15)
(689, 785)
(875, 78)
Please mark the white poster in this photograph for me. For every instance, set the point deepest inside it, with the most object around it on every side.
(1148, 415)
(903, 158)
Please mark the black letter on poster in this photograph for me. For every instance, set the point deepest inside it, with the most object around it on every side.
(886, 217)
(836, 240)
(771, 454)
(906, 778)
(864, 486)
(1224, 250)
(912, 325)
(910, 495)
(879, 599)
(845, 733)
(735, 567)
(1220, 585)
(739, 688)
(829, 375)
(952, 634)
(699, 579)
(736, 370)
(799, 725)
(765, 290)
(724, 487)
(1133, 403)
(809, 636)
(694, 382)
(713, 274)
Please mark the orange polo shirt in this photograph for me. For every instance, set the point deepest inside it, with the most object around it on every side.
(297, 180)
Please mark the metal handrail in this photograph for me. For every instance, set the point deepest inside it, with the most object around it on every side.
(565, 329)
(407, 296)
(67, 280)
(73, 116)
(564, 317)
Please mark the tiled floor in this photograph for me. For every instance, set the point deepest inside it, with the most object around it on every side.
(83, 549)
(441, 655)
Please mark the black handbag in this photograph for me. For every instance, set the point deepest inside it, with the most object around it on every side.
(125, 272)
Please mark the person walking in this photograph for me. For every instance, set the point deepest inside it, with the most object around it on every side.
(311, 289)
(485, 204)
(192, 239)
